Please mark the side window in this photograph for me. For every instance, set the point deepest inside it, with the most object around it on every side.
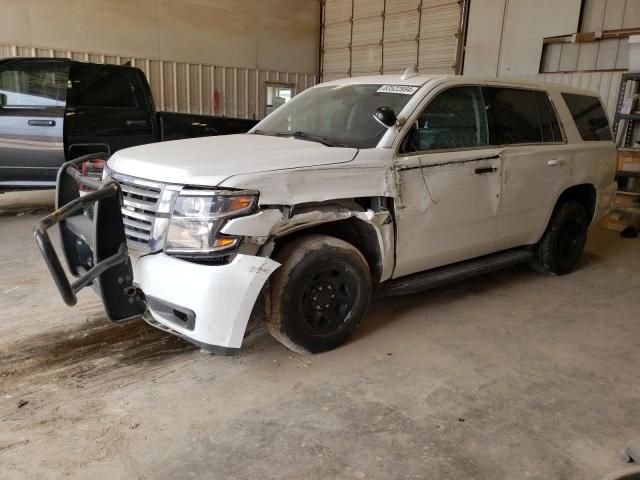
(589, 116)
(548, 120)
(100, 86)
(454, 119)
(514, 112)
(34, 84)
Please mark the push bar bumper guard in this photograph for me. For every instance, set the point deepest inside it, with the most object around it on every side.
(93, 242)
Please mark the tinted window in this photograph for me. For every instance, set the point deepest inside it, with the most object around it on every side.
(454, 119)
(100, 86)
(589, 116)
(515, 115)
(548, 119)
(42, 84)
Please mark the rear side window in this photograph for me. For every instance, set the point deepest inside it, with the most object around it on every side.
(589, 116)
(34, 84)
(515, 116)
(454, 119)
(100, 86)
(548, 120)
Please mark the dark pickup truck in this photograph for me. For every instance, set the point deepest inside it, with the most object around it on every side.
(54, 109)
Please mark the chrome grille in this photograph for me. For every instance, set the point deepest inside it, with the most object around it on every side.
(145, 211)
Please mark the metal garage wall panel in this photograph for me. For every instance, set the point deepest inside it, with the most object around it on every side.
(367, 32)
(436, 57)
(397, 6)
(387, 41)
(367, 8)
(328, 77)
(401, 27)
(336, 61)
(188, 87)
(337, 36)
(366, 60)
(439, 30)
(399, 56)
(440, 19)
(337, 11)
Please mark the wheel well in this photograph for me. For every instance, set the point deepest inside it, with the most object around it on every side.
(353, 231)
(584, 194)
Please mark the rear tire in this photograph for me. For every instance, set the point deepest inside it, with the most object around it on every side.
(562, 244)
(319, 295)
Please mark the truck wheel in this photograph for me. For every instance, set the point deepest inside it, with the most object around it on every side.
(319, 294)
(562, 244)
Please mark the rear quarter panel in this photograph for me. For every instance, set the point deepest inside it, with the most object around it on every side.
(593, 162)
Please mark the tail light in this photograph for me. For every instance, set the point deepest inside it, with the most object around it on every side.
(93, 169)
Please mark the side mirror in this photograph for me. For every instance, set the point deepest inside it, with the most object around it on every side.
(385, 116)
(3, 100)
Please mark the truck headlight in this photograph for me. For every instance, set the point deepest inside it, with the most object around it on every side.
(198, 216)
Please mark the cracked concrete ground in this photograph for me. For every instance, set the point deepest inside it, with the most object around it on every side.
(512, 375)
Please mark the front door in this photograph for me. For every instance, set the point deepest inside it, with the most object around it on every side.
(107, 110)
(32, 104)
(450, 181)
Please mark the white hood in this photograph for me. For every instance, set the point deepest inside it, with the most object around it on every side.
(207, 161)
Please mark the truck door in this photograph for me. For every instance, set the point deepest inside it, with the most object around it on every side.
(32, 104)
(106, 110)
(449, 179)
(536, 162)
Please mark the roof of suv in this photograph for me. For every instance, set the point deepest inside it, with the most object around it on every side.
(420, 80)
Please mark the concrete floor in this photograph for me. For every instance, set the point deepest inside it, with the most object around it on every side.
(508, 376)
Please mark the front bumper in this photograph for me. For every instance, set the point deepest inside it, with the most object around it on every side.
(208, 305)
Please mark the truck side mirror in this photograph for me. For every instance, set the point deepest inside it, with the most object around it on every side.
(3, 100)
(385, 116)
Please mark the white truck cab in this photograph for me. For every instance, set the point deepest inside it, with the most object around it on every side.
(361, 186)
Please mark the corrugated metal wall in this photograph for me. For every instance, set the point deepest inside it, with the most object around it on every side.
(189, 87)
(369, 37)
(608, 54)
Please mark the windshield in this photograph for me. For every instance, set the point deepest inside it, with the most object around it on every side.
(340, 115)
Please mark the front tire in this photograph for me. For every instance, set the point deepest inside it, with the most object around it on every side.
(319, 295)
(562, 244)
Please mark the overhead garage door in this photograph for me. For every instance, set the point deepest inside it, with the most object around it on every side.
(369, 37)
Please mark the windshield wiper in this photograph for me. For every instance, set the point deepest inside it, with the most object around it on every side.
(302, 136)
(262, 132)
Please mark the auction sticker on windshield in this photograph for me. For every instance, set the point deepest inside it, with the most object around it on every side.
(401, 89)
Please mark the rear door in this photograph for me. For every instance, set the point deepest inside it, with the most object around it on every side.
(535, 160)
(107, 110)
(32, 104)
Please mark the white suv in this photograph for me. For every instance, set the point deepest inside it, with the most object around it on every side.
(362, 186)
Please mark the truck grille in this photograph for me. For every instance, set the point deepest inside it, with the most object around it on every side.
(145, 212)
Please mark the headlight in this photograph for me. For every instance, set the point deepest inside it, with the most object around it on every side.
(107, 173)
(198, 216)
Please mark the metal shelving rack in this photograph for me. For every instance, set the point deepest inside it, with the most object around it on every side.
(626, 139)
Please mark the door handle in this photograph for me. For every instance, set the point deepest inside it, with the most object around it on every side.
(480, 171)
(42, 123)
(555, 162)
(136, 123)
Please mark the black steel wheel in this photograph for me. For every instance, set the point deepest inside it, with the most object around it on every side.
(561, 246)
(319, 294)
